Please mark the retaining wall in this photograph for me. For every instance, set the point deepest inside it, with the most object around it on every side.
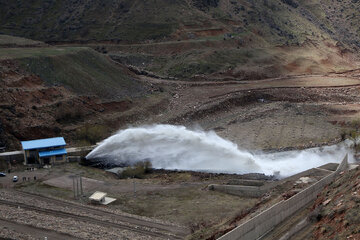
(268, 219)
(256, 191)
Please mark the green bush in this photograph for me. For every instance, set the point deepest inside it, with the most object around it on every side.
(353, 216)
(138, 170)
(92, 133)
(68, 114)
(352, 134)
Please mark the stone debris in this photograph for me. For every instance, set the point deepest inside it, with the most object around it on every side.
(305, 180)
(326, 202)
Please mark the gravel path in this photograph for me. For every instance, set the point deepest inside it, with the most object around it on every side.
(79, 221)
(13, 230)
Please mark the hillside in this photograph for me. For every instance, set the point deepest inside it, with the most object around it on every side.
(200, 39)
(335, 214)
(265, 22)
(339, 209)
(273, 77)
(120, 62)
(11, 41)
(82, 70)
(224, 60)
(47, 91)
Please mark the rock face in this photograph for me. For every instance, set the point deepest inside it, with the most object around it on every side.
(2, 137)
(33, 106)
(205, 4)
(336, 211)
(139, 21)
(292, 3)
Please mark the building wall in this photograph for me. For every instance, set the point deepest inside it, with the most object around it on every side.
(265, 221)
(31, 153)
(58, 159)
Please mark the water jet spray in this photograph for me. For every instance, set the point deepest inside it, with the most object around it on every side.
(179, 148)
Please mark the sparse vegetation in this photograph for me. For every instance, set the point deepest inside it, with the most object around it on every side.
(11, 41)
(353, 215)
(44, 189)
(352, 133)
(340, 217)
(137, 171)
(68, 114)
(91, 134)
(83, 70)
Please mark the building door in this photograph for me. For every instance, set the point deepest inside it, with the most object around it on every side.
(46, 161)
(31, 160)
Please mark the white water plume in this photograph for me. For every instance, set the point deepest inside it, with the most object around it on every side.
(176, 147)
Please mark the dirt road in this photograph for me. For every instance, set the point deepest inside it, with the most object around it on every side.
(90, 215)
(173, 229)
(30, 231)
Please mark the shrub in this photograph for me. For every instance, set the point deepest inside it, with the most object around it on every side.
(68, 114)
(315, 215)
(91, 133)
(138, 170)
(353, 216)
(352, 135)
(291, 3)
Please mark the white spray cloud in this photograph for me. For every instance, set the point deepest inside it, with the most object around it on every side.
(176, 147)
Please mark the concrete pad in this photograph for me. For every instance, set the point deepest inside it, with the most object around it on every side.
(108, 200)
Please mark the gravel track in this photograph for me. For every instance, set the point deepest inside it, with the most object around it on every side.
(21, 231)
(172, 229)
(88, 219)
(175, 230)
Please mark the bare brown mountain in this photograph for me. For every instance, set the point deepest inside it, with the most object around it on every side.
(270, 21)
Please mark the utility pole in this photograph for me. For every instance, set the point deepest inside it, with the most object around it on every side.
(74, 189)
(77, 186)
(134, 187)
(81, 187)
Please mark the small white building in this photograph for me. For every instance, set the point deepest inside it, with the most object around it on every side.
(100, 198)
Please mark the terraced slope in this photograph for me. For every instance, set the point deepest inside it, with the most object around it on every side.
(47, 91)
(242, 39)
(82, 70)
(262, 22)
(11, 41)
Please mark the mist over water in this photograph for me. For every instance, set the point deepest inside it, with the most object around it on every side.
(176, 147)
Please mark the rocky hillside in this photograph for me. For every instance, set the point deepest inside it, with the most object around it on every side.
(48, 91)
(56, 82)
(186, 39)
(336, 212)
(264, 22)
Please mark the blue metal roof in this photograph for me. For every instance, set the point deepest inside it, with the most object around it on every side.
(52, 153)
(43, 143)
